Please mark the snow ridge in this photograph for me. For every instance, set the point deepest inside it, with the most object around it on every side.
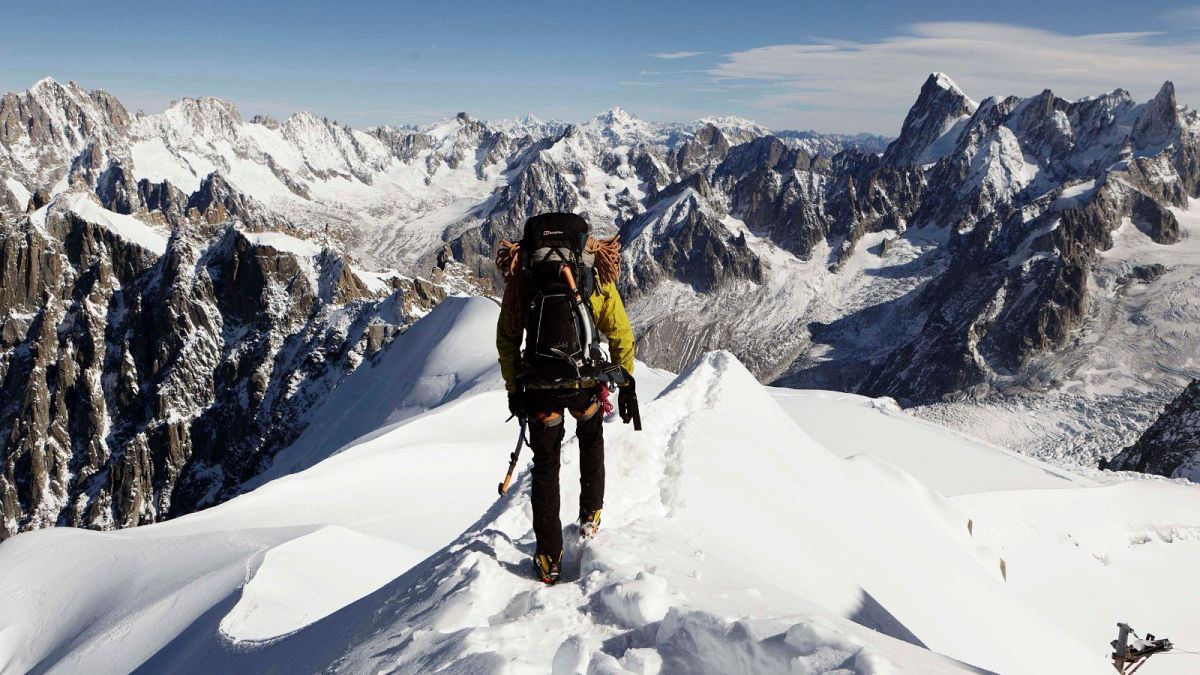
(732, 540)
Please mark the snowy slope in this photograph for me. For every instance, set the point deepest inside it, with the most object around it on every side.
(127, 227)
(736, 537)
(947, 461)
(163, 579)
(438, 360)
(1087, 558)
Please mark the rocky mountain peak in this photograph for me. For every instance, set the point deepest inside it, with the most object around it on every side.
(619, 126)
(205, 113)
(266, 120)
(1159, 122)
(616, 116)
(69, 104)
(49, 90)
(44, 130)
(302, 122)
(725, 122)
(46, 83)
(1106, 103)
(940, 106)
(1043, 125)
(943, 81)
(1165, 98)
(710, 134)
(736, 129)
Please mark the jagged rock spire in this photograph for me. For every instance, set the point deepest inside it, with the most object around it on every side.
(1158, 125)
(939, 106)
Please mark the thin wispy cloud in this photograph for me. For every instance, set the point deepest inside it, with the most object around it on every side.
(843, 86)
(1181, 17)
(672, 73)
(676, 55)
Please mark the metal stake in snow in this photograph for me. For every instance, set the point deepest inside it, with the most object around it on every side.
(1138, 652)
(512, 463)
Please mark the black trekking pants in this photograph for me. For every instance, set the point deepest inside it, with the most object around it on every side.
(547, 424)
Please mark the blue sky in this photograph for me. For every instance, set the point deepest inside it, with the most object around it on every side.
(830, 66)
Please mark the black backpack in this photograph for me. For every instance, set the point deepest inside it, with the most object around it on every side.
(561, 342)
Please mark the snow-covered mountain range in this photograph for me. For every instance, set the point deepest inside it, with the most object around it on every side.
(177, 288)
(390, 196)
(1021, 267)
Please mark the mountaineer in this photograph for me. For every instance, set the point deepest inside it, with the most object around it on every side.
(560, 290)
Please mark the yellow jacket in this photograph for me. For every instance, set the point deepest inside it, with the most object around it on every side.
(609, 311)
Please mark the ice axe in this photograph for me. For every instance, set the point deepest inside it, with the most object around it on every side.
(512, 463)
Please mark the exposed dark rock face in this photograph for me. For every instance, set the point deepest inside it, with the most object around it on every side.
(1159, 124)
(708, 146)
(699, 251)
(779, 193)
(939, 107)
(215, 202)
(60, 121)
(1019, 254)
(1171, 446)
(1147, 273)
(139, 386)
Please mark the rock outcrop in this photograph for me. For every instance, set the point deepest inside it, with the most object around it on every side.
(1171, 446)
(142, 383)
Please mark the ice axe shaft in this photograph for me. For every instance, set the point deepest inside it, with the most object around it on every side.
(566, 272)
(512, 462)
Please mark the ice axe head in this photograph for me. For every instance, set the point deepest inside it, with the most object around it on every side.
(512, 459)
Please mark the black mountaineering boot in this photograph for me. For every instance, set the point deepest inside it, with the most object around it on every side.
(546, 568)
(589, 523)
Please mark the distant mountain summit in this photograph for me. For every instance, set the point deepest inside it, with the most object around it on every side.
(933, 125)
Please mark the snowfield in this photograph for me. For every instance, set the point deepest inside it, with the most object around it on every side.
(127, 227)
(747, 529)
